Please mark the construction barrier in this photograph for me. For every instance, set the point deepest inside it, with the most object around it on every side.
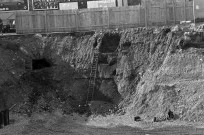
(103, 18)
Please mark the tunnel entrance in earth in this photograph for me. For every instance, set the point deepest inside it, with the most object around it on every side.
(110, 42)
(40, 64)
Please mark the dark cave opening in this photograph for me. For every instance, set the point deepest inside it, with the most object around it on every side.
(40, 64)
(110, 42)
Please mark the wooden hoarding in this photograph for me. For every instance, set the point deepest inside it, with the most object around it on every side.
(68, 6)
(103, 18)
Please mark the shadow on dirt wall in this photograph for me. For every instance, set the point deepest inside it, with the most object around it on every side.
(45, 84)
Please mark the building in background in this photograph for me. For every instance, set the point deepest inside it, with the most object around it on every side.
(101, 3)
(45, 4)
(124, 3)
(71, 4)
(8, 19)
(133, 2)
(11, 5)
(55, 4)
(7, 12)
(198, 5)
(68, 6)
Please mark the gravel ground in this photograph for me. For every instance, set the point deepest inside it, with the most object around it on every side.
(58, 124)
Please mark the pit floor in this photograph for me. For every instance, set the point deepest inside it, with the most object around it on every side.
(57, 124)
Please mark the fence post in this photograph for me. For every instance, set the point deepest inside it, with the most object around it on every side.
(185, 10)
(194, 15)
(146, 22)
(16, 21)
(139, 15)
(45, 14)
(174, 11)
(166, 18)
(108, 18)
(77, 21)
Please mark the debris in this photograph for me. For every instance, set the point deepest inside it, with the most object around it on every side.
(175, 28)
(170, 115)
(185, 22)
(137, 118)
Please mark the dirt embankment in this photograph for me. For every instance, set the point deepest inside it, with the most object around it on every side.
(159, 74)
(143, 70)
(46, 72)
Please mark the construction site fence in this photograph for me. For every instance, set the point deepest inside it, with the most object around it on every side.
(149, 14)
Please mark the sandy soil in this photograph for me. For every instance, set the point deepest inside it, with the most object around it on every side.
(58, 124)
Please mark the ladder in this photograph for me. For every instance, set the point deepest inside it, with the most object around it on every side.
(93, 75)
(169, 39)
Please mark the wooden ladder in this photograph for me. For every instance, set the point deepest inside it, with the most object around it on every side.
(93, 76)
(169, 39)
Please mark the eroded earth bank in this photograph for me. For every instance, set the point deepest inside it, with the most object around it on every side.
(145, 72)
